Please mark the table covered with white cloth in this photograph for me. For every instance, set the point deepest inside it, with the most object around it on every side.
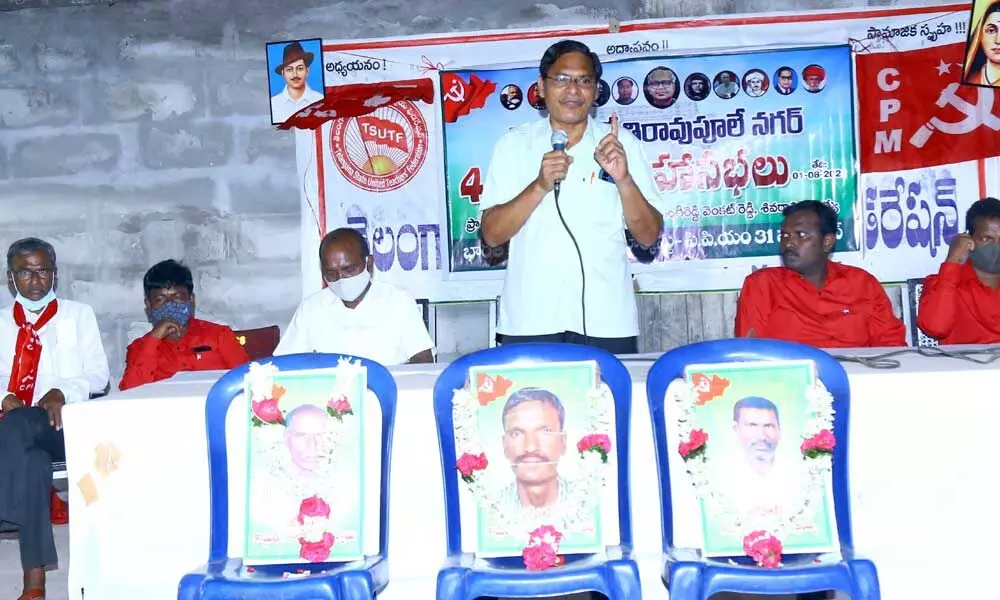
(921, 459)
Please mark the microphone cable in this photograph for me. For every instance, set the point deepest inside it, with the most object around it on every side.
(579, 256)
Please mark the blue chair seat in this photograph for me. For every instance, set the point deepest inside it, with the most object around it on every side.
(688, 576)
(223, 577)
(613, 574)
(223, 580)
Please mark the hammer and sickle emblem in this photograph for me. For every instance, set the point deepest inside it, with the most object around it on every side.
(980, 113)
(457, 92)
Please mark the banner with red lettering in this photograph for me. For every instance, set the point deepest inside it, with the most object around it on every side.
(924, 141)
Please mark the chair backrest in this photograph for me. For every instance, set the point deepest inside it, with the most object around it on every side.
(613, 373)
(671, 366)
(259, 343)
(231, 385)
(914, 288)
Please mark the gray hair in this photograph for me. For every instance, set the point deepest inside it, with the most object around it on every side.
(29, 245)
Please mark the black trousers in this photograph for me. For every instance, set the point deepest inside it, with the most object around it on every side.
(28, 445)
(625, 345)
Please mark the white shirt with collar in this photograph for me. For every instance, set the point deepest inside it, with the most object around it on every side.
(386, 326)
(541, 293)
(283, 106)
(73, 359)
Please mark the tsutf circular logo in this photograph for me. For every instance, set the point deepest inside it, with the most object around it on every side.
(383, 150)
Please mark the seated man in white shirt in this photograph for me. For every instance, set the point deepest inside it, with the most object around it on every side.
(566, 212)
(51, 354)
(355, 314)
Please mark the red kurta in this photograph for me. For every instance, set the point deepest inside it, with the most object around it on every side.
(851, 310)
(956, 308)
(149, 359)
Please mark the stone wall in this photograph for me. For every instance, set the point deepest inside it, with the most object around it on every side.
(137, 131)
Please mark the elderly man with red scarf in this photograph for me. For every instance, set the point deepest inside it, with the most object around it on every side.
(50, 355)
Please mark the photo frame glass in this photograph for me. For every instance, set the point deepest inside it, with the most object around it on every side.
(305, 491)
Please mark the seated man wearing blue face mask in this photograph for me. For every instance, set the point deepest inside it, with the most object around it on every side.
(178, 341)
(354, 314)
(51, 354)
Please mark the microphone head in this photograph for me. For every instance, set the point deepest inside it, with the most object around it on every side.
(559, 139)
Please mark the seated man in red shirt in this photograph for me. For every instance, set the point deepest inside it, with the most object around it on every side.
(178, 341)
(811, 299)
(961, 304)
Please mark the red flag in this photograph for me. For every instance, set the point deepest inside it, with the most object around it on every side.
(381, 131)
(359, 99)
(460, 97)
(915, 113)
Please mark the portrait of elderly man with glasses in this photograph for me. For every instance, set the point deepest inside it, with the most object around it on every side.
(356, 314)
(564, 209)
(51, 355)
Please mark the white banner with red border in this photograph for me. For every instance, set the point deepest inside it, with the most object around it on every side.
(924, 141)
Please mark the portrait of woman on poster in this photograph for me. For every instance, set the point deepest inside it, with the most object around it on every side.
(982, 61)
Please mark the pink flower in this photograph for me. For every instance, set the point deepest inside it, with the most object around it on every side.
(468, 464)
(338, 407)
(763, 548)
(595, 442)
(541, 557)
(695, 444)
(267, 411)
(316, 551)
(821, 443)
(546, 534)
(313, 506)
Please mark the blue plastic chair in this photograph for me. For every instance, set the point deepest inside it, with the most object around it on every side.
(701, 579)
(615, 574)
(221, 579)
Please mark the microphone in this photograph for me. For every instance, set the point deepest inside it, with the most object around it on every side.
(559, 140)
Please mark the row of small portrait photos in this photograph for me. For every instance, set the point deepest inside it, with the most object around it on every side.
(660, 87)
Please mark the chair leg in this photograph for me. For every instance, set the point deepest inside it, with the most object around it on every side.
(865, 578)
(685, 582)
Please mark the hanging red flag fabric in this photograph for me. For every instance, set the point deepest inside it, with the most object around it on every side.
(359, 99)
(460, 97)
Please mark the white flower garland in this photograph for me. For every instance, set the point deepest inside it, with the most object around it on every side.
(586, 490)
(260, 381)
(779, 523)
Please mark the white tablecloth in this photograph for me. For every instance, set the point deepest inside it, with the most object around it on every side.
(922, 470)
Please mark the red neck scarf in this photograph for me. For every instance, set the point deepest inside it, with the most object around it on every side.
(27, 352)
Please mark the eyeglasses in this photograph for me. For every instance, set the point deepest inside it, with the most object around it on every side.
(561, 81)
(26, 274)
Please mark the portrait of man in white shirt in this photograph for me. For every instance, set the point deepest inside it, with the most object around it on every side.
(568, 277)
(297, 94)
(355, 314)
(759, 479)
(51, 354)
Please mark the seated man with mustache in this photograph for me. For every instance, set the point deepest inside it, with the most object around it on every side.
(533, 442)
(811, 299)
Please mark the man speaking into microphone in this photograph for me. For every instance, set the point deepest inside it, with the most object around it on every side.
(562, 191)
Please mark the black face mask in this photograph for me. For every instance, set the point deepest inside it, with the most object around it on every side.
(986, 258)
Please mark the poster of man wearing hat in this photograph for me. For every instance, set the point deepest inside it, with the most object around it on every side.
(292, 83)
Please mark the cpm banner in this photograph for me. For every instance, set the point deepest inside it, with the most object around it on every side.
(732, 139)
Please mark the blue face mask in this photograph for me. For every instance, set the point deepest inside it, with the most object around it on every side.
(175, 311)
(34, 305)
